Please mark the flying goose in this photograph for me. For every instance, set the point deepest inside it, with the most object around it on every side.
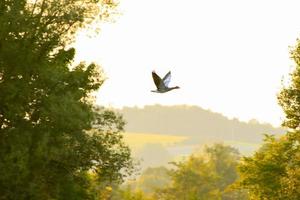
(162, 84)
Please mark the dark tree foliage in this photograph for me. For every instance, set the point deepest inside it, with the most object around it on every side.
(52, 138)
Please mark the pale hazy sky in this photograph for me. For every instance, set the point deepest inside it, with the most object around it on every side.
(228, 56)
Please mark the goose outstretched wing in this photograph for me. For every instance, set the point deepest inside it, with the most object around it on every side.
(157, 80)
(167, 79)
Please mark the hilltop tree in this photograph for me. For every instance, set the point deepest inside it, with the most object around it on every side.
(51, 136)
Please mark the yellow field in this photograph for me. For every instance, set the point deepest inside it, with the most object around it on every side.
(138, 140)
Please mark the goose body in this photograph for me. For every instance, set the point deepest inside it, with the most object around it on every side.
(162, 84)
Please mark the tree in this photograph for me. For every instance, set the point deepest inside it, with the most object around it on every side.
(273, 171)
(289, 97)
(51, 135)
(205, 176)
(151, 179)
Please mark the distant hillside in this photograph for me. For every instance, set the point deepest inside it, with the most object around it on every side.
(195, 123)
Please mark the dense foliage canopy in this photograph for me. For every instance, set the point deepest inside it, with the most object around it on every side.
(273, 172)
(52, 137)
(208, 175)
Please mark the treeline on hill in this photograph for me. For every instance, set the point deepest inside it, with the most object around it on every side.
(56, 144)
(195, 123)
